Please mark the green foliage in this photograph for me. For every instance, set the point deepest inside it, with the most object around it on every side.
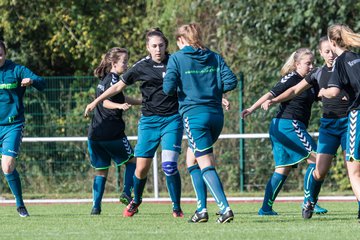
(69, 37)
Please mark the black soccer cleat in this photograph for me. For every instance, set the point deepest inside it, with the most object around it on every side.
(199, 217)
(226, 217)
(125, 199)
(308, 210)
(22, 211)
(95, 211)
(358, 216)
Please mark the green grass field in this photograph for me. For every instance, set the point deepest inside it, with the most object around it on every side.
(154, 221)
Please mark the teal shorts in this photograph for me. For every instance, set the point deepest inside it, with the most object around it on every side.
(10, 139)
(101, 152)
(155, 130)
(290, 141)
(332, 134)
(353, 136)
(203, 129)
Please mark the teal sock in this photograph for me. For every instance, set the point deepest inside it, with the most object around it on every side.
(307, 177)
(359, 205)
(139, 185)
(173, 183)
(199, 186)
(129, 178)
(273, 188)
(213, 183)
(315, 187)
(98, 191)
(14, 182)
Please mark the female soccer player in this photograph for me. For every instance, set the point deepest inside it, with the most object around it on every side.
(106, 137)
(290, 141)
(160, 122)
(346, 76)
(13, 82)
(333, 125)
(200, 77)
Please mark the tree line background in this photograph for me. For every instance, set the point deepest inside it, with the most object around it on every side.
(67, 38)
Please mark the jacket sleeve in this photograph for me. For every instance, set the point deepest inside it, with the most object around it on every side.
(38, 82)
(172, 77)
(228, 78)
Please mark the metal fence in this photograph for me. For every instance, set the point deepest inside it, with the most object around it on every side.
(244, 162)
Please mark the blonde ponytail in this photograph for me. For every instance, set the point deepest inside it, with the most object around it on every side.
(290, 64)
(343, 36)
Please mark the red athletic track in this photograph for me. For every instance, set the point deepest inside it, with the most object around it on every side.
(4, 202)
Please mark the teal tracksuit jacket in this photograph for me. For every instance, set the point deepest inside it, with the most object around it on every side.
(199, 77)
(11, 92)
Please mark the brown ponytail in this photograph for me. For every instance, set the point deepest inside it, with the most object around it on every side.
(113, 55)
(192, 34)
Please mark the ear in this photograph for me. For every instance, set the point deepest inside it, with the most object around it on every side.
(320, 52)
(333, 43)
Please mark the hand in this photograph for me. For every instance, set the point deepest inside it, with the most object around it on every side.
(90, 107)
(26, 82)
(124, 106)
(266, 105)
(226, 104)
(246, 113)
(321, 93)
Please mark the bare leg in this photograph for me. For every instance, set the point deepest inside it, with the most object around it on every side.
(354, 176)
(142, 167)
(323, 164)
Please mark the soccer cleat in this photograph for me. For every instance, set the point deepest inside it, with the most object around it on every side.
(125, 199)
(261, 212)
(131, 209)
(308, 210)
(358, 215)
(177, 213)
(22, 211)
(199, 217)
(95, 211)
(317, 209)
(226, 217)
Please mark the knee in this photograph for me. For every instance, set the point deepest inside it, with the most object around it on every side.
(142, 170)
(102, 173)
(169, 162)
(319, 175)
(8, 165)
(170, 168)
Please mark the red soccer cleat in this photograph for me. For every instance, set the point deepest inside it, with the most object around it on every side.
(131, 209)
(178, 213)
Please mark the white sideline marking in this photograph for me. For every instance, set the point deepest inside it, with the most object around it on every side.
(163, 200)
(84, 139)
